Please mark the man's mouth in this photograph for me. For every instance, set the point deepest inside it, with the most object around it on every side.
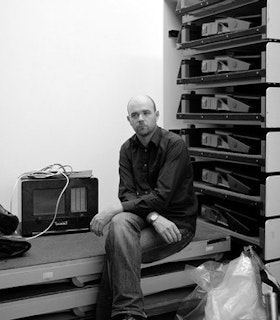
(142, 129)
(142, 126)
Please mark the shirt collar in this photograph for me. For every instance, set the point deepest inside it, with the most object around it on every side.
(155, 138)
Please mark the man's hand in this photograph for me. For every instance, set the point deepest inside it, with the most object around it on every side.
(167, 229)
(101, 219)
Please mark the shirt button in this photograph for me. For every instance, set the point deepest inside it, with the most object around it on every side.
(146, 150)
(145, 164)
(146, 192)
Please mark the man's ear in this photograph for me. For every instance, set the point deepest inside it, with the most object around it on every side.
(157, 114)
(128, 119)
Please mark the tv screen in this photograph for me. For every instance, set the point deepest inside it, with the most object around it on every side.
(44, 202)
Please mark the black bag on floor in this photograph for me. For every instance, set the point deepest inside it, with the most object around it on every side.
(12, 247)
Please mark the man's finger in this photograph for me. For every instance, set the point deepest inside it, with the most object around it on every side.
(177, 233)
(168, 237)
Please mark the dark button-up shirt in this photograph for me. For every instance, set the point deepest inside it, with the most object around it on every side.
(158, 178)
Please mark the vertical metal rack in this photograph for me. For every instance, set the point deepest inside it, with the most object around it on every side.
(230, 75)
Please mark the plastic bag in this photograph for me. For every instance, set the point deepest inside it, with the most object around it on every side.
(192, 307)
(238, 296)
(207, 276)
(225, 291)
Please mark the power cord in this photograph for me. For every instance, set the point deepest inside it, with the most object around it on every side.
(52, 170)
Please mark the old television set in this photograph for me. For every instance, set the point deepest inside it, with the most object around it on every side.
(76, 208)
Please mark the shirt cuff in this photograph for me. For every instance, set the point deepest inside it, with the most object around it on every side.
(128, 206)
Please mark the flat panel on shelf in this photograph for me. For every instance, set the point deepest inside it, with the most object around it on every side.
(272, 202)
(272, 62)
(272, 110)
(274, 269)
(273, 22)
(272, 163)
(271, 239)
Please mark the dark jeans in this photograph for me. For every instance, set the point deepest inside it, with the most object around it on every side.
(130, 242)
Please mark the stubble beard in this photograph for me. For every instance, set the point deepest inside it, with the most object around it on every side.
(143, 130)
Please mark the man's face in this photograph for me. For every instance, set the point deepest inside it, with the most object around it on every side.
(142, 117)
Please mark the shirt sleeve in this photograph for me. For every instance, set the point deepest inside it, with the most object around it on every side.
(127, 189)
(176, 168)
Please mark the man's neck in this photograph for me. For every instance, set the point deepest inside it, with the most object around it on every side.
(146, 139)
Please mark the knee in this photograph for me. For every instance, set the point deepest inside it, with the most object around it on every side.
(122, 229)
(125, 224)
(120, 223)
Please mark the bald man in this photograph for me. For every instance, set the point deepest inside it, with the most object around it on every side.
(156, 216)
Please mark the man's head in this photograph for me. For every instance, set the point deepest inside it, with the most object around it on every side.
(142, 115)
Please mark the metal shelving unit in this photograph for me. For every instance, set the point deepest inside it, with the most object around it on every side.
(229, 73)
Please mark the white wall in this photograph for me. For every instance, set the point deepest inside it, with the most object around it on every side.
(68, 68)
(172, 59)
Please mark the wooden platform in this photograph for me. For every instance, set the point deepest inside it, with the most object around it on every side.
(61, 273)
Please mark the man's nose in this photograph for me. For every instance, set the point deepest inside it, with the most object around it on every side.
(141, 117)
